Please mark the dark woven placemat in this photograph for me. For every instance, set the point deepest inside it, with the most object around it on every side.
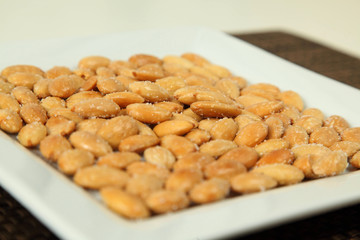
(17, 223)
(308, 54)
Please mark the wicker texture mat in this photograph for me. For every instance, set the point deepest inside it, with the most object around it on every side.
(17, 223)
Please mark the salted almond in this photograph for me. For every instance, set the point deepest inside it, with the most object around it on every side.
(210, 190)
(303, 163)
(333, 163)
(145, 129)
(150, 91)
(243, 154)
(143, 185)
(148, 113)
(178, 60)
(138, 143)
(119, 159)
(164, 201)
(348, 147)
(81, 96)
(50, 103)
(66, 113)
(215, 96)
(6, 87)
(315, 150)
(265, 108)
(32, 134)
(206, 73)
(271, 145)
(355, 160)
(242, 82)
(6, 72)
(193, 160)
(268, 87)
(175, 70)
(276, 127)
(64, 86)
(52, 146)
(284, 174)
(171, 84)
(242, 120)
(159, 156)
(187, 94)
(10, 121)
(117, 65)
(351, 134)
(174, 107)
(86, 74)
(90, 125)
(190, 113)
(125, 204)
(207, 124)
(336, 122)
(96, 177)
(184, 117)
(123, 99)
(89, 84)
(57, 71)
(24, 79)
(252, 134)
(149, 72)
(109, 85)
(33, 112)
(145, 168)
(96, 107)
(24, 95)
(284, 118)
(249, 90)
(292, 98)
(291, 112)
(139, 60)
(93, 62)
(72, 160)
(225, 128)
(225, 169)
(198, 136)
(324, 135)
(251, 115)
(183, 180)
(217, 147)
(195, 59)
(116, 129)
(276, 156)
(178, 145)
(60, 125)
(252, 182)
(90, 142)
(315, 112)
(229, 87)
(309, 123)
(173, 127)
(200, 81)
(296, 135)
(105, 72)
(126, 75)
(215, 109)
(248, 100)
(9, 102)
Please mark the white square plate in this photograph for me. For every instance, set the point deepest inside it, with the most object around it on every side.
(73, 213)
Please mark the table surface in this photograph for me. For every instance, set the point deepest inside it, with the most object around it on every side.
(17, 223)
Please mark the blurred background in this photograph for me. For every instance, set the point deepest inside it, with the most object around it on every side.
(334, 23)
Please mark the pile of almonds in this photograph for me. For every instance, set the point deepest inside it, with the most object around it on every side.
(157, 135)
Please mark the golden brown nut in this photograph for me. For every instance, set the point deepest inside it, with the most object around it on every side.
(123, 203)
